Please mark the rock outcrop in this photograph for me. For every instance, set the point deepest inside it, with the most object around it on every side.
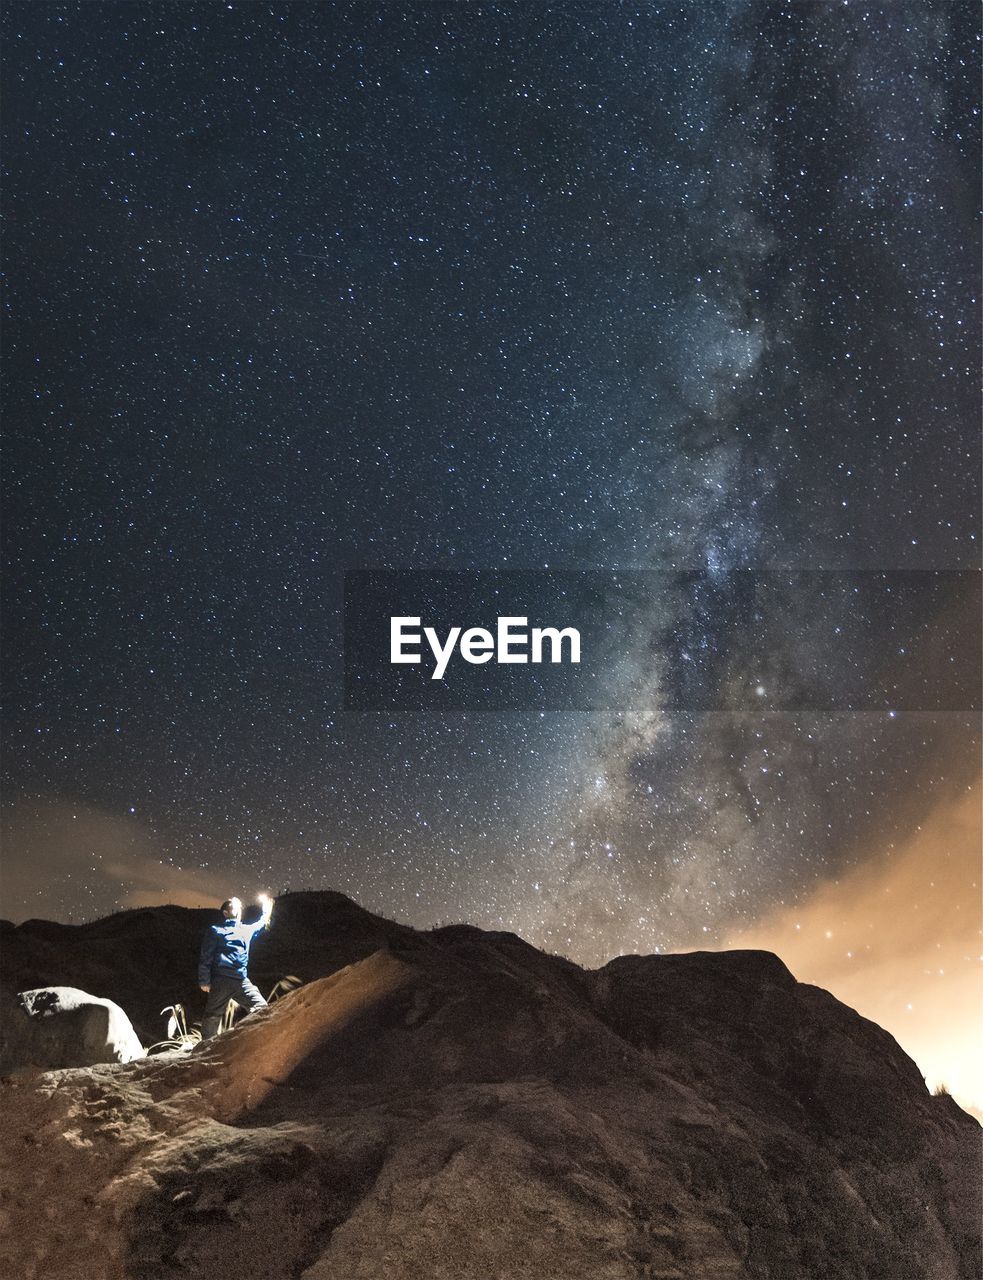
(457, 1105)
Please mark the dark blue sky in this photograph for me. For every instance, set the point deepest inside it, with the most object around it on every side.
(299, 288)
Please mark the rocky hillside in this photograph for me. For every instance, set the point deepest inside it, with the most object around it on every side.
(456, 1104)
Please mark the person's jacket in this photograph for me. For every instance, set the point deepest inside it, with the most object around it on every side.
(225, 950)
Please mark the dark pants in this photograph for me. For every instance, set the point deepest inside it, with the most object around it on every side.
(226, 988)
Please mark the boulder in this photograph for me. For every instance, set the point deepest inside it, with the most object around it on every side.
(52, 1027)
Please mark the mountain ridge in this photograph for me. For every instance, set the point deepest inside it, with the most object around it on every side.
(456, 1103)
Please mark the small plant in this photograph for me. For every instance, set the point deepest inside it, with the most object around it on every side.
(179, 1035)
(283, 988)
(228, 1017)
(941, 1090)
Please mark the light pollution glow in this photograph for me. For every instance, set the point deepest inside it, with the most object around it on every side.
(898, 939)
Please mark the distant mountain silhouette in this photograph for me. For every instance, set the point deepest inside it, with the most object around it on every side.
(457, 1105)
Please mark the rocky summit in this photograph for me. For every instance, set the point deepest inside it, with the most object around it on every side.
(456, 1105)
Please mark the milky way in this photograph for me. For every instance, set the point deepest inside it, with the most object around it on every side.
(295, 289)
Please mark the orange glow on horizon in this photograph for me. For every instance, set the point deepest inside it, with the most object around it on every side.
(899, 940)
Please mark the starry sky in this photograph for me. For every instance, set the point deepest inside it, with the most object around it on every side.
(293, 289)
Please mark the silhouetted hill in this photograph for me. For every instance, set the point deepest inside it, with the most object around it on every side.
(458, 1104)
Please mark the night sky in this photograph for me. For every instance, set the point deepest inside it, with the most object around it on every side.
(294, 289)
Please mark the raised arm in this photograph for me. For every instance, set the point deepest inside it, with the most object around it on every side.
(266, 904)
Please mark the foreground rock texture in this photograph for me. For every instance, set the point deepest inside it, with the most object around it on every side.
(456, 1104)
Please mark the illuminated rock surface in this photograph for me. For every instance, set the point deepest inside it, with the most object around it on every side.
(64, 1027)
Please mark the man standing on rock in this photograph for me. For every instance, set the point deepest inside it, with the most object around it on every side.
(223, 965)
